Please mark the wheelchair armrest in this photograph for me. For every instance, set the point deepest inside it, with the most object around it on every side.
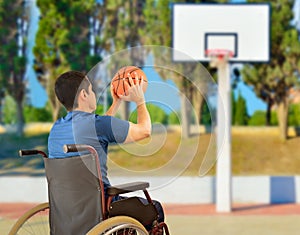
(126, 188)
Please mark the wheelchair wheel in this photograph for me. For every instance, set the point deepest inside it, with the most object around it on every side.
(34, 221)
(119, 225)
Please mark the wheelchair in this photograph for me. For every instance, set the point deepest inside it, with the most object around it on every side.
(77, 204)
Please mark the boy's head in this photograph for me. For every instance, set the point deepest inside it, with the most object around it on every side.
(68, 85)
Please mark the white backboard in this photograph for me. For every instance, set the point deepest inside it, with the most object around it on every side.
(242, 28)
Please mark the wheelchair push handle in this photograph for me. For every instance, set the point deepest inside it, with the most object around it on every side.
(28, 152)
(71, 148)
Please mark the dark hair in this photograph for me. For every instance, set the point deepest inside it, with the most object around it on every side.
(68, 85)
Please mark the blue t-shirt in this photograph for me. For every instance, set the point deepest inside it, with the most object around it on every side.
(87, 128)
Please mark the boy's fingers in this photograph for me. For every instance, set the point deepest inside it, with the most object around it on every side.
(142, 81)
(131, 83)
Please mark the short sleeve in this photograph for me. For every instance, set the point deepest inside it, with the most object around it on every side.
(111, 129)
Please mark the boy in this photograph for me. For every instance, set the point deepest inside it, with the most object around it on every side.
(74, 90)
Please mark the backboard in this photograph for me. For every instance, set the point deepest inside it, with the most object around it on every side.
(243, 29)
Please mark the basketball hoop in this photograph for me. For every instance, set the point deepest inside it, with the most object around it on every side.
(219, 53)
(218, 56)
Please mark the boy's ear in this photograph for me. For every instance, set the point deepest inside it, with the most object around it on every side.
(81, 96)
(82, 93)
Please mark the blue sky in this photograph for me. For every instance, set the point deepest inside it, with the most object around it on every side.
(37, 94)
(253, 103)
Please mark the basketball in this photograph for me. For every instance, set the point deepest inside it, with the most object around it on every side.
(121, 78)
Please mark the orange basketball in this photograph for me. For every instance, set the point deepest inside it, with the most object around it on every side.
(121, 77)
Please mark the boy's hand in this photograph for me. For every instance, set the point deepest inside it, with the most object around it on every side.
(135, 91)
(113, 94)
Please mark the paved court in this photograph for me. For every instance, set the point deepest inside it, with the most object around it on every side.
(234, 225)
(281, 219)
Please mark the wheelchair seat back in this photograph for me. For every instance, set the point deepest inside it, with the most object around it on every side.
(74, 194)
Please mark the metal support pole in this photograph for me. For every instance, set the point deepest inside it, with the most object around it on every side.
(223, 174)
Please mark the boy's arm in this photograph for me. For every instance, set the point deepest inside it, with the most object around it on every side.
(113, 108)
(141, 129)
(115, 105)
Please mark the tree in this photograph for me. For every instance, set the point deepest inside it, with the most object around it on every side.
(33, 114)
(240, 115)
(272, 82)
(294, 115)
(62, 42)
(157, 114)
(258, 118)
(173, 118)
(121, 30)
(2, 96)
(13, 19)
(158, 20)
(9, 110)
(233, 107)
(206, 115)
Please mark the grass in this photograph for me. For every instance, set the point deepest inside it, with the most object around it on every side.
(252, 154)
(11, 163)
(265, 154)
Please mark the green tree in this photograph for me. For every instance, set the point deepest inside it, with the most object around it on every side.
(33, 114)
(206, 115)
(257, 118)
(157, 114)
(294, 115)
(174, 118)
(2, 96)
(13, 17)
(100, 110)
(9, 110)
(274, 118)
(272, 82)
(233, 107)
(62, 42)
(240, 115)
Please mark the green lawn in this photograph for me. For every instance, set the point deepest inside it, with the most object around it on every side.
(252, 154)
(11, 163)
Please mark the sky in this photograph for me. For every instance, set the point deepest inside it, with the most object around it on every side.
(38, 96)
(252, 102)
